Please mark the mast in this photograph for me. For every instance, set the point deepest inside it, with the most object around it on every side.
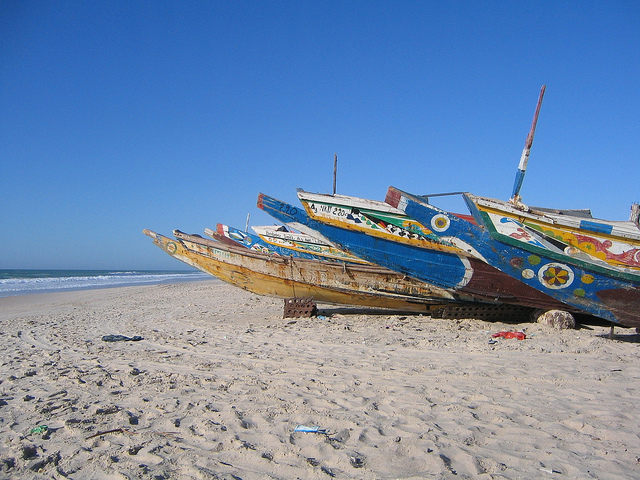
(335, 171)
(524, 159)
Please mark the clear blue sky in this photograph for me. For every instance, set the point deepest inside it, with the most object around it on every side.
(117, 116)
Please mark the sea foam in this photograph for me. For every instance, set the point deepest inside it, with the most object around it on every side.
(24, 282)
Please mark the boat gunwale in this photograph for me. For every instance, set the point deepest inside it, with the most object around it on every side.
(363, 203)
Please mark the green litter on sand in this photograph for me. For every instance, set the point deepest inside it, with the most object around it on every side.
(40, 429)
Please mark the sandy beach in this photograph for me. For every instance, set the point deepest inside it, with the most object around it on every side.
(219, 381)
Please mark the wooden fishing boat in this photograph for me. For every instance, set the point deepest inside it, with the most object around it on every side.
(575, 234)
(367, 216)
(386, 236)
(595, 289)
(286, 277)
(281, 241)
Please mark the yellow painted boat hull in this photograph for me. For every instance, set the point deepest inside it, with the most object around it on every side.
(286, 277)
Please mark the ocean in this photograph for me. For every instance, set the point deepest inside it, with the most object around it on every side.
(25, 282)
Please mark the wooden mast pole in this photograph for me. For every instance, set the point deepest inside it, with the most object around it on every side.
(335, 171)
(524, 159)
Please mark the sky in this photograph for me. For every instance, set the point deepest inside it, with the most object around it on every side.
(119, 116)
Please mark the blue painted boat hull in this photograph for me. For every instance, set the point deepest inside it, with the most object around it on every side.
(469, 278)
(255, 242)
(577, 286)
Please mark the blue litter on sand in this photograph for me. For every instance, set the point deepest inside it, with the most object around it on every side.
(305, 429)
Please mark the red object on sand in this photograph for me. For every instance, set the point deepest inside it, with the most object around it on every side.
(518, 335)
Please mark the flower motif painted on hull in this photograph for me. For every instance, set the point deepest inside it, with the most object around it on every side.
(555, 276)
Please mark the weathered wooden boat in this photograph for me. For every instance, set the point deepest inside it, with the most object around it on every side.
(595, 289)
(287, 277)
(280, 241)
(575, 233)
(386, 236)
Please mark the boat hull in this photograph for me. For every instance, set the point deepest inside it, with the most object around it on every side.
(577, 284)
(326, 282)
(612, 245)
(415, 255)
(283, 243)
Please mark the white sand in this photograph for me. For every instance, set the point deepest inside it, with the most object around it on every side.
(220, 381)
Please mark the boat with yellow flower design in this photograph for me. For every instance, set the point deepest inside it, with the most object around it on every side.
(596, 288)
(575, 233)
(567, 234)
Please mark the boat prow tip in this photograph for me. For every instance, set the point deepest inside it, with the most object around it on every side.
(393, 197)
